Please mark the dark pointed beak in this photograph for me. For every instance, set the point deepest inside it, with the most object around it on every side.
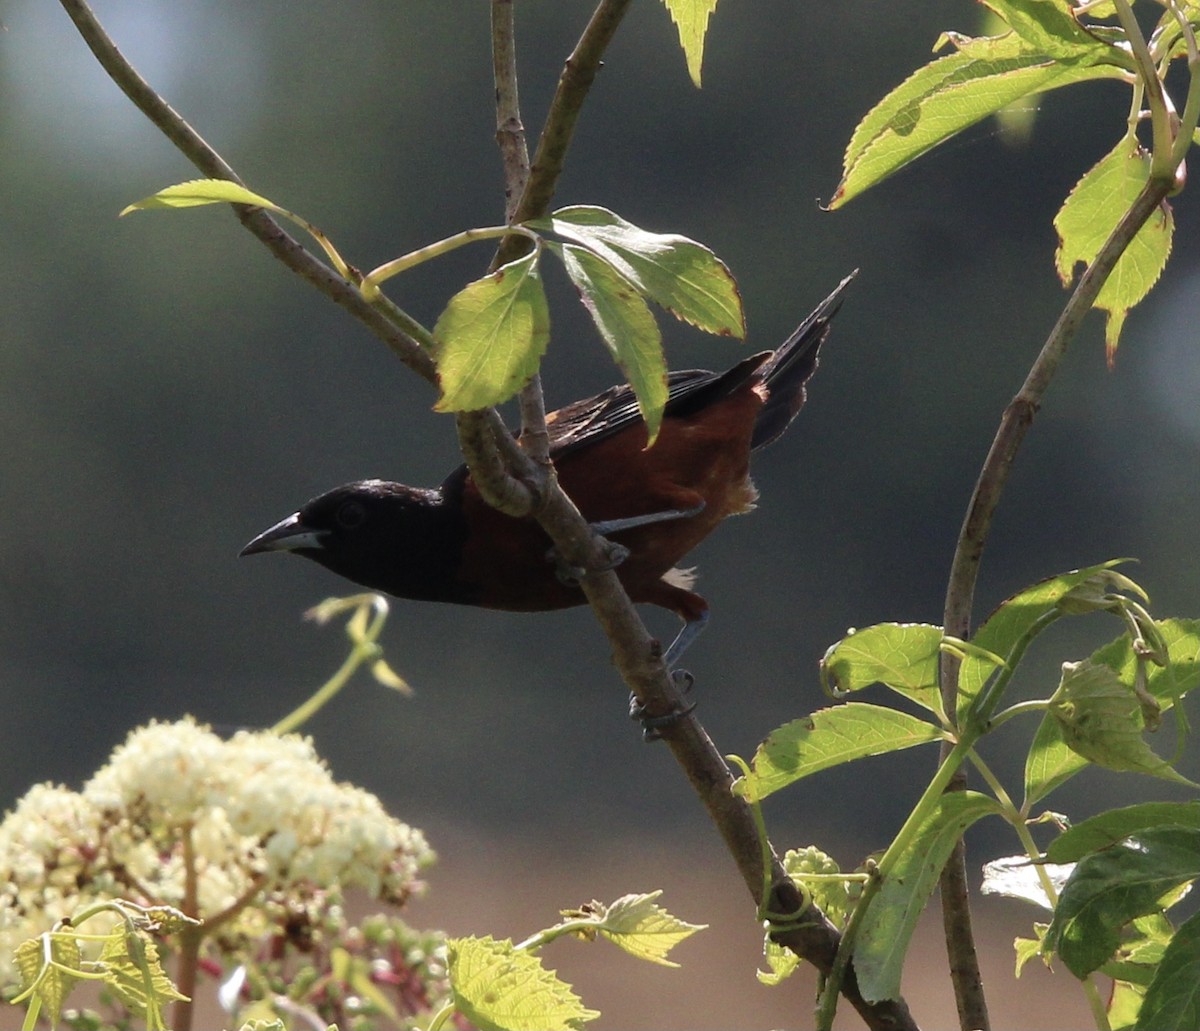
(291, 534)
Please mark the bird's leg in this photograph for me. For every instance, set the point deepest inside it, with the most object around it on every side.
(571, 575)
(608, 526)
(683, 680)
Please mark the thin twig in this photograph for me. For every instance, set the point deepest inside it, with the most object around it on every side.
(193, 146)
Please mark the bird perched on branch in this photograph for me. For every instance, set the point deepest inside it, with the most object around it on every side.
(447, 544)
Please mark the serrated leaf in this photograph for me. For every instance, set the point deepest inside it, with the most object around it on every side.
(1111, 887)
(691, 19)
(626, 326)
(893, 912)
(903, 656)
(833, 897)
(197, 192)
(1107, 828)
(1166, 683)
(1087, 219)
(1027, 948)
(500, 989)
(134, 972)
(1047, 25)
(781, 964)
(54, 983)
(492, 336)
(1013, 618)
(953, 92)
(645, 930)
(678, 274)
(1173, 998)
(1102, 720)
(1051, 762)
(827, 738)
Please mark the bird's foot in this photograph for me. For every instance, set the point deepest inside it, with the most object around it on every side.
(652, 726)
(565, 573)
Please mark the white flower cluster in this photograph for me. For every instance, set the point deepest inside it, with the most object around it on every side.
(215, 828)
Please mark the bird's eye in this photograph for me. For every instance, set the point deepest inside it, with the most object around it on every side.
(351, 515)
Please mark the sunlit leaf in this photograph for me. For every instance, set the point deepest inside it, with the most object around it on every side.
(953, 92)
(892, 914)
(626, 326)
(1101, 719)
(902, 656)
(691, 19)
(644, 929)
(492, 336)
(676, 273)
(1087, 219)
(827, 738)
(54, 982)
(1111, 826)
(498, 988)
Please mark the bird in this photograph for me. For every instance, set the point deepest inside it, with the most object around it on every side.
(657, 502)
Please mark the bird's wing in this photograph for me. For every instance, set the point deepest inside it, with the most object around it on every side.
(586, 422)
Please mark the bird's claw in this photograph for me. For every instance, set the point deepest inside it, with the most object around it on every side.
(652, 726)
(570, 575)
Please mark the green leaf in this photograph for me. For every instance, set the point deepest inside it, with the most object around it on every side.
(1050, 762)
(644, 929)
(197, 192)
(626, 326)
(134, 972)
(492, 336)
(1046, 25)
(678, 274)
(1166, 683)
(816, 874)
(1107, 828)
(1124, 1004)
(54, 983)
(1173, 998)
(500, 989)
(1027, 948)
(953, 92)
(1111, 887)
(903, 656)
(691, 19)
(1014, 618)
(892, 913)
(1087, 219)
(827, 738)
(1102, 720)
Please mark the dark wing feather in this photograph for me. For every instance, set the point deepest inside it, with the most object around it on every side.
(688, 391)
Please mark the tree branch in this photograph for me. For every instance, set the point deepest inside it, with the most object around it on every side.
(210, 164)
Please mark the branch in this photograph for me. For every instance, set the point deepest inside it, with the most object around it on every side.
(193, 146)
(972, 538)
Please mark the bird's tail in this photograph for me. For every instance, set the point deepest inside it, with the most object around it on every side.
(786, 372)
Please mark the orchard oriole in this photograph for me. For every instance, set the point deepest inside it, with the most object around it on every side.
(449, 545)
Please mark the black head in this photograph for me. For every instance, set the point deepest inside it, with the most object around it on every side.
(386, 536)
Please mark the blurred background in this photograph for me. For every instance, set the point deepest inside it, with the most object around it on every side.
(167, 390)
